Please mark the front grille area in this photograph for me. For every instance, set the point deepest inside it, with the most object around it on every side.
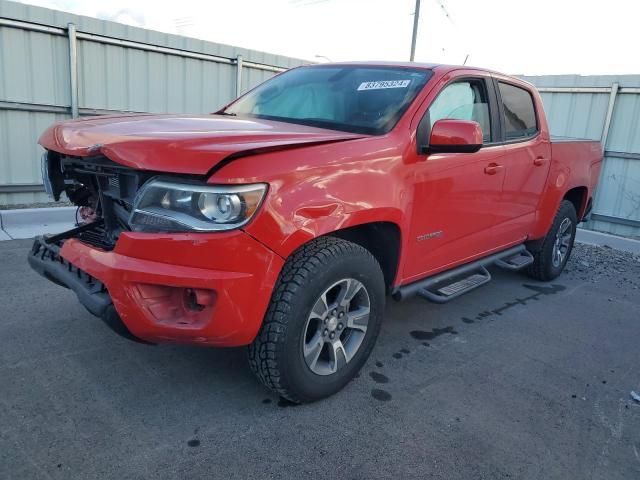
(97, 237)
(107, 187)
(114, 183)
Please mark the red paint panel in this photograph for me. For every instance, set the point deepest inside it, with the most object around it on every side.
(177, 143)
(239, 272)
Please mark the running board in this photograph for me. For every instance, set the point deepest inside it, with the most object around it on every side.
(449, 291)
(516, 262)
(444, 287)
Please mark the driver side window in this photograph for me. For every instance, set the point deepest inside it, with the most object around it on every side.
(464, 100)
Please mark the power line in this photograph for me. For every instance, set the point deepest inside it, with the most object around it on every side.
(445, 11)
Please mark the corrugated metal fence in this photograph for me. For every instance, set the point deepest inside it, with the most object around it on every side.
(605, 108)
(118, 68)
(55, 65)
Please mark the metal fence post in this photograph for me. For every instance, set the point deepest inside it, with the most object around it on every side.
(238, 75)
(607, 119)
(73, 68)
(615, 87)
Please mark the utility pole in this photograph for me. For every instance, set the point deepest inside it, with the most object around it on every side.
(416, 16)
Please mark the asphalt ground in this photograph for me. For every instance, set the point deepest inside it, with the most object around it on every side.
(517, 379)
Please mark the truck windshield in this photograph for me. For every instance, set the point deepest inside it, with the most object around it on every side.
(356, 99)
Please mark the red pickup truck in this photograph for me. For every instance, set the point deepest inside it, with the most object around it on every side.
(284, 220)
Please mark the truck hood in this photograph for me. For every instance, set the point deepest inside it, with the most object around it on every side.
(179, 143)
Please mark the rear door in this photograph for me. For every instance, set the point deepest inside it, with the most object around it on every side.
(527, 160)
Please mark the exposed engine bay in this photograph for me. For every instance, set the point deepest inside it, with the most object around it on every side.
(103, 191)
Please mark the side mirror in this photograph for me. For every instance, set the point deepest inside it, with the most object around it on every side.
(454, 136)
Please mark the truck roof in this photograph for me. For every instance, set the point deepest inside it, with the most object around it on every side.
(436, 67)
(426, 66)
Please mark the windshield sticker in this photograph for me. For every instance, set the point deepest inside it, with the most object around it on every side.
(384, 84)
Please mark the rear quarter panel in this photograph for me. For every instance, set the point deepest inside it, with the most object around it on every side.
(574, 163)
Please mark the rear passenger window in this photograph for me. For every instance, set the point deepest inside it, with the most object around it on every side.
(464, 100)
(519, 113)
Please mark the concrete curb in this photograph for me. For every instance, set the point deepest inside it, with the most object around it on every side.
(29, 222)
(600, 239)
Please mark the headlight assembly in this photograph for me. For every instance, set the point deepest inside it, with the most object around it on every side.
(165, 206)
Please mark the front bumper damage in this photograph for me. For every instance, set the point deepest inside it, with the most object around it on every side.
(45, 259)
(185, 288)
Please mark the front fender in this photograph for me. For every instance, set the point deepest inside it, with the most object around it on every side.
(318, 190)
(314, 228)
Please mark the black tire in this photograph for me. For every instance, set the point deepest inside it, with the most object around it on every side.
(546, 266)
(276, 355)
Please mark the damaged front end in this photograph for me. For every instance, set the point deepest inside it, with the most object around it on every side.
(103, 191)
(46, 260)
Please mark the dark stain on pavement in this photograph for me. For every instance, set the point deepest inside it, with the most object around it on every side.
(424, 335)
(381, 395)
(194, 442)
(540, 290)
(545, 290)
(378, 377)
(430, 335)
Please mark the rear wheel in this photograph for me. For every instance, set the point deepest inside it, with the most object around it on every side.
(323, 320)
(553, 253)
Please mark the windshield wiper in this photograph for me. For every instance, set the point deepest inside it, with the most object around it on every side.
(229, 114)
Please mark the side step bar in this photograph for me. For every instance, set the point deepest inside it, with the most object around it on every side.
(515, 262)
(453, 290)
(444, 287)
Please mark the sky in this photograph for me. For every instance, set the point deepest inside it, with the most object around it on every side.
(587, 37)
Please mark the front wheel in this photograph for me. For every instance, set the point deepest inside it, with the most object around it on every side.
(323, 320)
(553, 253)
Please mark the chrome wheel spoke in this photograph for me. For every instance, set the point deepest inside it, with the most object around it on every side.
(358, 319)
(320, 308)
(313, 349)
(338, 356)
(348, 289)
(562, 243)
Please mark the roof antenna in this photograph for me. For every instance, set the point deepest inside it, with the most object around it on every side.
(465, 59)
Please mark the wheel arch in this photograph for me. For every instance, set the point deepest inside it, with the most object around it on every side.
(578, 196)
(382, 239)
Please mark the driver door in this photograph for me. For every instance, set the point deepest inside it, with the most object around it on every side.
(456, 195)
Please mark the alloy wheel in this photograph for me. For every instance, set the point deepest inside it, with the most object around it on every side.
(336, 326)
(562, 243)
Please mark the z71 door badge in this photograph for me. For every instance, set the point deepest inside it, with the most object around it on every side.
(429, 236)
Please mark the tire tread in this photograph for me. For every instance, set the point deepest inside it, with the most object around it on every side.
(297, 270)
(539, 269)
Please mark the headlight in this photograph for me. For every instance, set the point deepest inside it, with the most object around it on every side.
(164, 206)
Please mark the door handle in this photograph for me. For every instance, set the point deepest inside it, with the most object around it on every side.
(493, 168)
(539, 161)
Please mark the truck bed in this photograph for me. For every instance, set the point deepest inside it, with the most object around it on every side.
(563, 139)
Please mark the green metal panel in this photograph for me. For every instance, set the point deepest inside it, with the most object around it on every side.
(34, 69)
